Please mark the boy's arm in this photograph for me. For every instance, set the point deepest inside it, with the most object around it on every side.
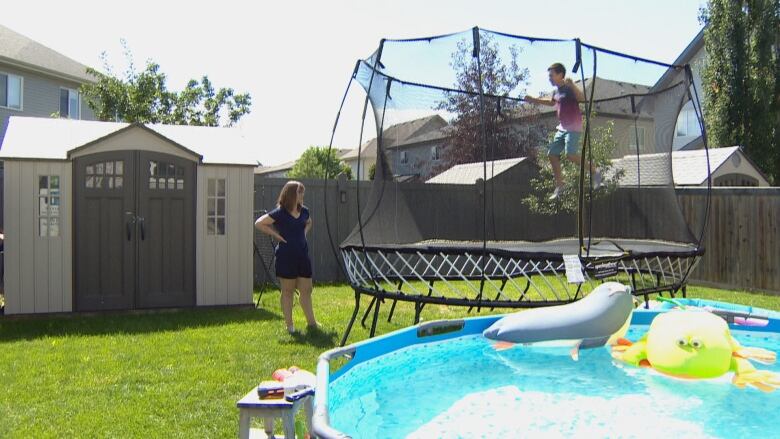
(533, 100)
(577, 92)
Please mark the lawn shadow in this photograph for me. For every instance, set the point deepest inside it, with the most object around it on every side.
(128, 322)
(320, 338)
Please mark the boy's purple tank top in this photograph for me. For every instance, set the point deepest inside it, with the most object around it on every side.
(568, 109)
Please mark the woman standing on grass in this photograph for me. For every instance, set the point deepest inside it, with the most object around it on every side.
(289, 223)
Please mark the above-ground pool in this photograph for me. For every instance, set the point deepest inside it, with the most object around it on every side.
(444, 380)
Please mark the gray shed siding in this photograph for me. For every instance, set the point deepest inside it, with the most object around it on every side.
(40, 96)
(223, 263)
(38, 270)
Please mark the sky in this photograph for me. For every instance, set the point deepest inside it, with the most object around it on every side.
(295, 58)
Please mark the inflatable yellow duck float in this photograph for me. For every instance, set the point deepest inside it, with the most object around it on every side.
(697, 344)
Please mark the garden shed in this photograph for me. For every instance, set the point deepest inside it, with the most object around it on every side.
(118, 216)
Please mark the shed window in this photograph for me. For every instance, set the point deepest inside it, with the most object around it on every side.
(165, 176)
(49, 205)
(216, 202)
(105, 175)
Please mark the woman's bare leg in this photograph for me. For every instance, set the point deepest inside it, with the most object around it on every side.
(288, 294)
(305, 288)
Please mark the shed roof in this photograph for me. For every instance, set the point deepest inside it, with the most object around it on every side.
(38, 138)
(688, 167)
(469, 173)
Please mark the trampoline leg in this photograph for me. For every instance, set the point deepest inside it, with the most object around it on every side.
(503, 284)
(392, 310)
(368, 310)
(351, 320)
(376, 316)
(685, 291)
(430, 291)
(479, 297)
(257, 304)
(418, 307)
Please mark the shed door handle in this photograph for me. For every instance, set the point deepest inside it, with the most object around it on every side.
(142, 228)
(129, 224)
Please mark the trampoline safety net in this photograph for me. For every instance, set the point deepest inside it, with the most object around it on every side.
(489, 167)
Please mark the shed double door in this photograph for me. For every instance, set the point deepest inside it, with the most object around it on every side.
(134, 231)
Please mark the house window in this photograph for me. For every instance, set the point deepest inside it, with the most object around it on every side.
(635, 134)
(48, 205)
(404, 157)
(70, 106)
(688, 123)
(215, 207)
(435, 152)
(10, 91)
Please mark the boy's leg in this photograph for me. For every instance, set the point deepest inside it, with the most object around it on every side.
(554, 152)
(555, 162)
(573, 155)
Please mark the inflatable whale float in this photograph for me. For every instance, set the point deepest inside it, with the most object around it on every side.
(602, 317)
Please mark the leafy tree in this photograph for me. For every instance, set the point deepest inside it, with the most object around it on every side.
(740, 78)
(144, 97)
(602, 146)
(500, 77)
(372, 171)
(319, 162)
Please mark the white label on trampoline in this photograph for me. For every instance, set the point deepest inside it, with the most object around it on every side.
(573, 269)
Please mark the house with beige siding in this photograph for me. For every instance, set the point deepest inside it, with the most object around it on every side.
(117, 216)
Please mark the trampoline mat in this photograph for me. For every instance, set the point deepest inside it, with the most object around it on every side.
(599, 248)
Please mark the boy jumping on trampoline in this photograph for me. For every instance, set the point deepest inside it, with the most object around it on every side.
(565, 99)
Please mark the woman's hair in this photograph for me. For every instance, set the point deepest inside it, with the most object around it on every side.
(288, 197)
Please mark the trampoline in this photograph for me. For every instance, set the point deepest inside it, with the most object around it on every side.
(460, 211)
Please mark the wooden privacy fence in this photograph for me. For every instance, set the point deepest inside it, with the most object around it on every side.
(742, 241)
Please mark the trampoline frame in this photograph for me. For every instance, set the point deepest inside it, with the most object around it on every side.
(383, 272)
(647, 272)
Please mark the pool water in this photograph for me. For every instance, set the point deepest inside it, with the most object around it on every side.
(462, 387)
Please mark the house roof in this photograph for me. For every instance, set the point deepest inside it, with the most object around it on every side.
(684, 58)
(22, 51)
(38, 138)
(468, 173)
(405, 133)
(689, 168)
(262, 170)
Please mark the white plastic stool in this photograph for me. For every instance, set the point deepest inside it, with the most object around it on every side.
(251, 406)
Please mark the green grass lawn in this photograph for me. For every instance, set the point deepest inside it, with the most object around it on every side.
(176, 373)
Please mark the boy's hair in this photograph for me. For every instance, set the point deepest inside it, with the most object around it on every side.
(557, 68)
(288, 197)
